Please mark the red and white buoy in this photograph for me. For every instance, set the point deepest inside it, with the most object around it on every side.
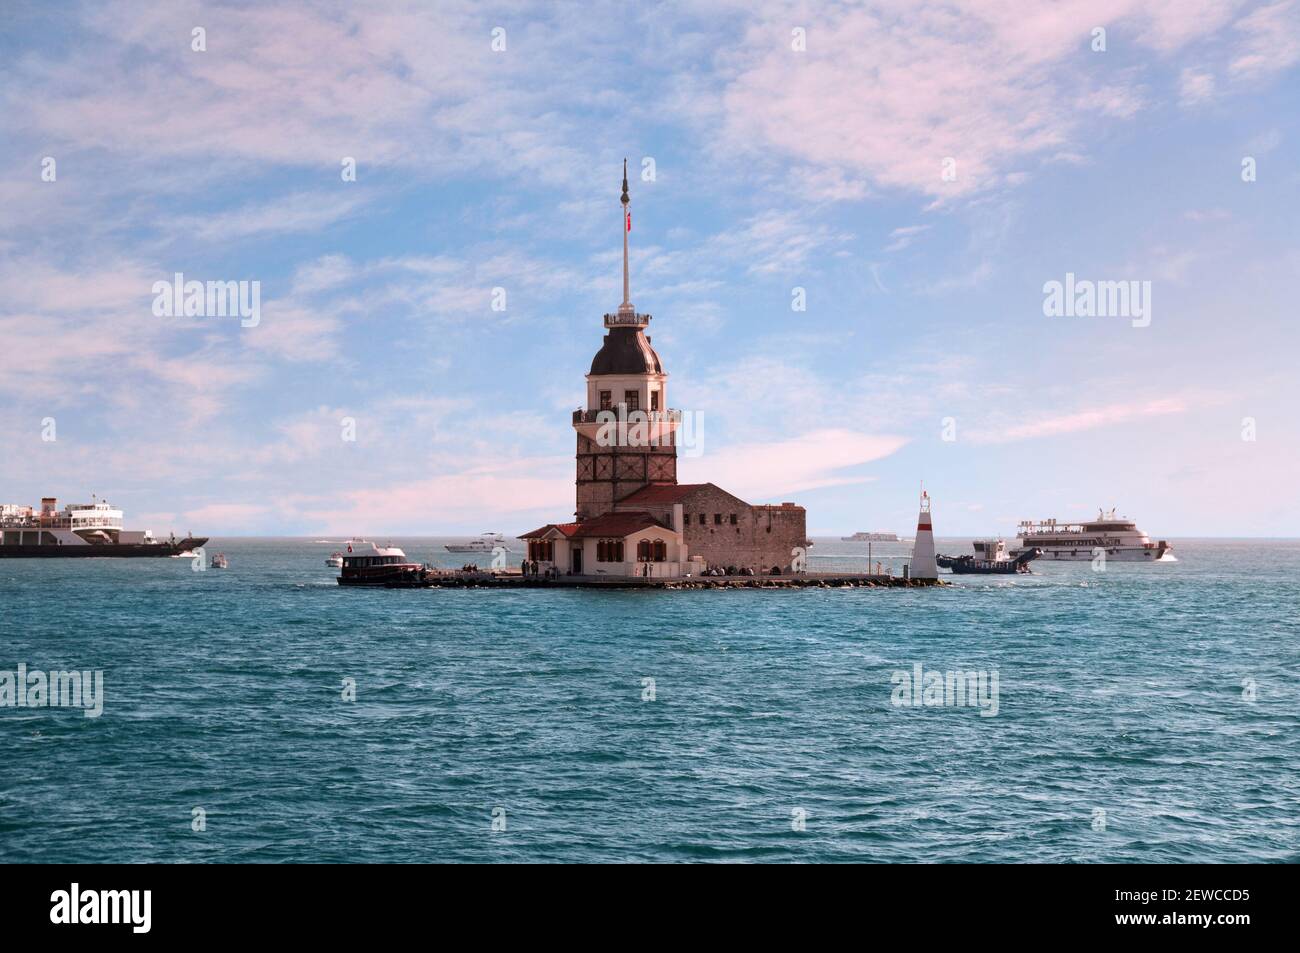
(923, 563)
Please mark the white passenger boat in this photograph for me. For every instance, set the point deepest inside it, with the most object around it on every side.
(365, 564)
(1117, 536)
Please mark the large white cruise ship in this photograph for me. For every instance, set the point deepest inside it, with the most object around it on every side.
(1116, 536)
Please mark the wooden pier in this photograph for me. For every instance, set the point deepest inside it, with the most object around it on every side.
(513, 579)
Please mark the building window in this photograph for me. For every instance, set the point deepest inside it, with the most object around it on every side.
(702, 519)
(717, 519)
(609, 551)
(733, 519)
(541, 550)
(660, 551)
(654, 400)
(633, 399)
(643, 550)
(606, 399)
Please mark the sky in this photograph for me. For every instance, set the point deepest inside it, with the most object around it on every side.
(918, 174)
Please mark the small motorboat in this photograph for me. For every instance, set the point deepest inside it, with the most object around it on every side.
(335, 561)
(219, 561)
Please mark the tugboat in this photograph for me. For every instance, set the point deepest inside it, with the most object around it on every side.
(219, 561)
(365, 564)
(990, 558)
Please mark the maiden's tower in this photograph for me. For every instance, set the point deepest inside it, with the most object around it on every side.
(632, 517)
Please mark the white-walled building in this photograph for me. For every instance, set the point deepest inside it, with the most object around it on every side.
(615, 544)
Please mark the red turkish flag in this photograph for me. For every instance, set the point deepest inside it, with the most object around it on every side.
(629, 221)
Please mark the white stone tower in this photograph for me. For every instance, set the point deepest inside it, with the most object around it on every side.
(627, 384)
(923, 563)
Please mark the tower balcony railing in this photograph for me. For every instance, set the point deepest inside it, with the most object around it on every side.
(621, 413)
(623, 319)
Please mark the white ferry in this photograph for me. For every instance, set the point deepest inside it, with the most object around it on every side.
(1116, 536)
(80, 529)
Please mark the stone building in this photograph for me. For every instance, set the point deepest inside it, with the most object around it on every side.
(722, 529)
(632, 517)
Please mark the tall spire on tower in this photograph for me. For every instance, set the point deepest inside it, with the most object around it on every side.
(626, 306)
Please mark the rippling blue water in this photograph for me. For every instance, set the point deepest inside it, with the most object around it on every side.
(1120, 691)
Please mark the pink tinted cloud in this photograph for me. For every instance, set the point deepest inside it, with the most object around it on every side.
(510, 494)
(1078, 421)
(390, 84)
(763, 471)
(885, 92)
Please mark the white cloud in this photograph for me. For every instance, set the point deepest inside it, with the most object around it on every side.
(299, 212)
(1073, 422)
(885, 93)
(1195, 86)
(1270, 40)
(763, 471)
(510, 493)
(902, 237)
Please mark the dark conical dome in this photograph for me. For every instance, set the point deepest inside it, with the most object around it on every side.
(626, 351)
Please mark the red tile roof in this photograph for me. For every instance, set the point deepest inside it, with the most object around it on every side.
(660, 493)
(566, 529)
(607, 524)
(617, 525)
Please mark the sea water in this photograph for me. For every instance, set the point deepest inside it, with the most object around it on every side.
(263, 713)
